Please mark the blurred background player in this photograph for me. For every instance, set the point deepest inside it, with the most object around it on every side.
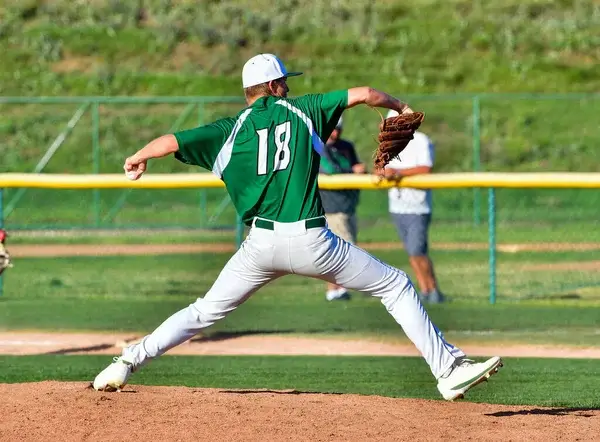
(339, 156)
(411, 211)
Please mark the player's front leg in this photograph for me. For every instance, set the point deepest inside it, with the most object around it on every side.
(238, 280)
(356, 269)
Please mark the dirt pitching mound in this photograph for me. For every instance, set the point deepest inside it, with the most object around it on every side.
(74, 412)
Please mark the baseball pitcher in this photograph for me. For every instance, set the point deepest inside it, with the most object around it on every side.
(268, 156)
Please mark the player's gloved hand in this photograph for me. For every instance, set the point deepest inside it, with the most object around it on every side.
(394, 135)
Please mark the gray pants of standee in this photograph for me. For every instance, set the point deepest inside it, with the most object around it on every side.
(413, 229)
(292, 248)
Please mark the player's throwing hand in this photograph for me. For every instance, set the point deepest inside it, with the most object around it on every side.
(134, 168)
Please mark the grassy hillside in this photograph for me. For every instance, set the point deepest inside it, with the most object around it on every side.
(190, 47)
(455, 48)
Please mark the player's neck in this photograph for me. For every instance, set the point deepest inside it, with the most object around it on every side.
(253, 100)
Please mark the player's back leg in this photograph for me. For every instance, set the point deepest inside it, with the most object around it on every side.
(247, 271)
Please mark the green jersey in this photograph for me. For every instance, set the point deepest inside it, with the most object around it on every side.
(268, 156)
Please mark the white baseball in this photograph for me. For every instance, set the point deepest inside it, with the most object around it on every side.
(130, 175)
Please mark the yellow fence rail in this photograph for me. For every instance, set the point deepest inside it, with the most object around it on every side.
(538, 180)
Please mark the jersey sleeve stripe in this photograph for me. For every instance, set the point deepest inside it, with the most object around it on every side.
(224, 155)
(316, 141)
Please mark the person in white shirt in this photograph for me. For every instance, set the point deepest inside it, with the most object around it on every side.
(411, 211)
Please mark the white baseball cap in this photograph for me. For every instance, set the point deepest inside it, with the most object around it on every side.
(263, 68)
(392, 113)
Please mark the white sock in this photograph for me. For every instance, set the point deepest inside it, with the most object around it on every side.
(333, 294)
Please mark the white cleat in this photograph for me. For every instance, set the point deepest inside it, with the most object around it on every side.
(114, 377)
(464, 375)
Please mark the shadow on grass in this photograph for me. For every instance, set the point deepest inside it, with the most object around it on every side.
(213, 337)
(225, 335)
(263, 391)
(581, 412)
(64, 351)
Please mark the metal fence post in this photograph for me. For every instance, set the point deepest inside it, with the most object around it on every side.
(492, 241)
(96, 158)
(476, 158)
(203, 207)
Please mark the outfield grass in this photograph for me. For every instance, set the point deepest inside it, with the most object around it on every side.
(137, 293)
(371, 230)
(463, 275)
(523, 381)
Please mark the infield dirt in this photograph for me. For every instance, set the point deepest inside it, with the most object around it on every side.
(55, 411)
(71, 411)
(30, 343)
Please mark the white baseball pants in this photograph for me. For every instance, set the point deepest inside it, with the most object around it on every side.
(292, 249)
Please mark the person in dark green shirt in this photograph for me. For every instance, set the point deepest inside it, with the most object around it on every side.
(268, 157)
(339, 156)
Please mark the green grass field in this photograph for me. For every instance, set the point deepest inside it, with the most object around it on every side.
(371, 230)
(523, 381)
(135, 294)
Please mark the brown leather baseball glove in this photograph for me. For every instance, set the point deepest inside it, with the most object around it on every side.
(394, 135)
(4, 255)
